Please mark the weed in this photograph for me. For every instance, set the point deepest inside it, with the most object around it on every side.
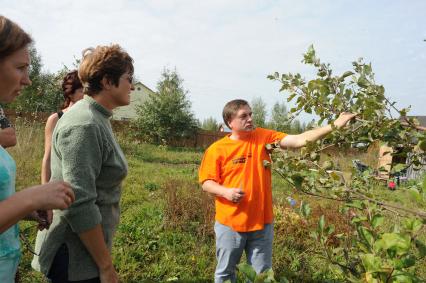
(188, 208)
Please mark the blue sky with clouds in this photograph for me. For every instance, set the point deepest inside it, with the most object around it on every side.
(224, 49)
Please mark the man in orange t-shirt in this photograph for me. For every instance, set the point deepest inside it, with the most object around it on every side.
(232, 169)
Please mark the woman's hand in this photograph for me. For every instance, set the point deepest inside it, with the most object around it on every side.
(108, 275)
(42, 217)
(53, 195)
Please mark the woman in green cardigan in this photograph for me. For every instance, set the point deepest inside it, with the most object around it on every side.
(85, 153)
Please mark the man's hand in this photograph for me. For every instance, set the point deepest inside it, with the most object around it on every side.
(235, 195)
(343, 119)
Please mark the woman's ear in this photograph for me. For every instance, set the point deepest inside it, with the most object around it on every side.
(106, 84)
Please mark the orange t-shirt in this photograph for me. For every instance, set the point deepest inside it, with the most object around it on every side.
(239, 164)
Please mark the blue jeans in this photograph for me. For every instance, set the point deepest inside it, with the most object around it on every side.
(231, 244)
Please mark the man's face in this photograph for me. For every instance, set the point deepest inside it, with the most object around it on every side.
(242, 121)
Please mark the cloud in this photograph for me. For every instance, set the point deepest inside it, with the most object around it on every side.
(224, 49)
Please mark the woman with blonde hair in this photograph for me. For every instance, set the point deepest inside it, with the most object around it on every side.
(85, 153)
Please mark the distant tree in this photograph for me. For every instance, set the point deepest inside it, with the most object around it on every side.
(258, 106)
(310, 125)
(210, 124)
(297, 127)
(166, 115)
(279, 118)
(44, 94)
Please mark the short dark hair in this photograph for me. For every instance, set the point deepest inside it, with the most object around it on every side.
(70, 84)
(231, 108)
(110, 62)
(12, 37)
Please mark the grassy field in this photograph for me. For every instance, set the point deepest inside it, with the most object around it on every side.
(166, 225)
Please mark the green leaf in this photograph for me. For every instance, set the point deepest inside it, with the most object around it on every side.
(271, 275)
(366, 235)
(421, 247)
(359, 219)
(321, 223)
(265, 277)
(393, 242)
(404, 277)
(398, 167)
(346, 74)
(363, 82)
(297, 181)
(413, 225)
(404, 262)
(329, 230)
(247, 270)
(356, 204)
(377, 221)
(371, 262)
(290, 97)
(305, 209)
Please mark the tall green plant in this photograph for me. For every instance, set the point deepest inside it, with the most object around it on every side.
(368, 252)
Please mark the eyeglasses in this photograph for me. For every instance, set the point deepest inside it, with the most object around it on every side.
(24, 236)
(129, 78)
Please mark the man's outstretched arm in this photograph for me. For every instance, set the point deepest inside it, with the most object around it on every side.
(300, 140)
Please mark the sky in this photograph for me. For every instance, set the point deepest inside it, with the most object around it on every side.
(224, 49)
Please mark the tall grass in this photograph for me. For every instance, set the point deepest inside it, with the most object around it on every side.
(166, 228)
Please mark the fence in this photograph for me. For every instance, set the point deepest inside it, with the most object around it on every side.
(12, 115)
(202, 139)
(415, 173)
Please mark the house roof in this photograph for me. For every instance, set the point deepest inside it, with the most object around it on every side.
(139, 83)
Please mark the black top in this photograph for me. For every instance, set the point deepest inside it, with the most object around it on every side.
(60, 113)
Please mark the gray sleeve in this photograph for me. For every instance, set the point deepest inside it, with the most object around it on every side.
(81, 150)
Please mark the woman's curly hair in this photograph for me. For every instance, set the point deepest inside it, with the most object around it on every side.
(70, 84)
(110, 62)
